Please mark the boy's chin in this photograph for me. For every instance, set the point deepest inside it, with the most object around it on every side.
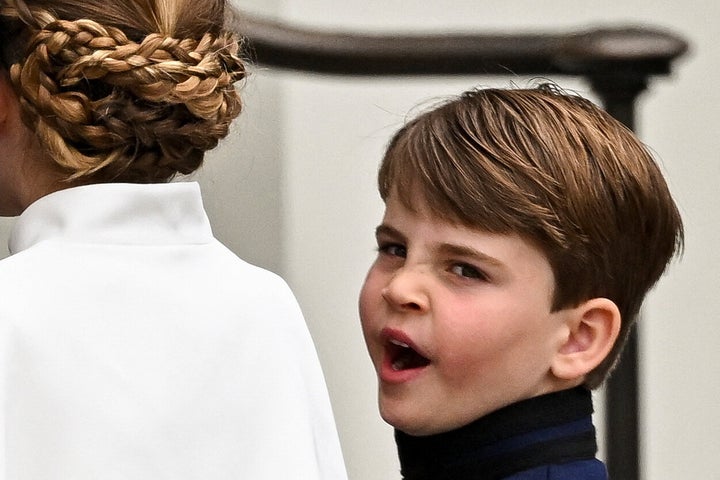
(426, 431)
(414, 431)
(418, 427)
(402, 423)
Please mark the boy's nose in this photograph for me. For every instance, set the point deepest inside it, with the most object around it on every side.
(405, 291)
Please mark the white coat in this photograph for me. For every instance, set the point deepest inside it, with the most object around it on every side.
(135, 346)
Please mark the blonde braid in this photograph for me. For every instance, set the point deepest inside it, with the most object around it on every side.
(110, 108)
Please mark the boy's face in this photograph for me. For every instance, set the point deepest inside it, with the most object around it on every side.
(457, 321)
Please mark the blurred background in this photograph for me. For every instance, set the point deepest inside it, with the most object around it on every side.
(293, 190)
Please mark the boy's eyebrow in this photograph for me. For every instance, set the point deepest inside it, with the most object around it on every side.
(384, 229)
(452, 249)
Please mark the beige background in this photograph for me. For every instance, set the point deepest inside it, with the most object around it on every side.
(293, 190)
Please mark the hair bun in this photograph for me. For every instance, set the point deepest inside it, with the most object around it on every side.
(106, 106)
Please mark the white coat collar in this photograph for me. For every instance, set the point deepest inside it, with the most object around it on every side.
(115, 213)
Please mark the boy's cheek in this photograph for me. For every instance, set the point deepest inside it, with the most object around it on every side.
(367, 315)
(369, 299)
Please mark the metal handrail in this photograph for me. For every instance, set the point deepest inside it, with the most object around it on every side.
(633, 49)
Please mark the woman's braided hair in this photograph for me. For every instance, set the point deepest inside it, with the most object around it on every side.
(106, 107)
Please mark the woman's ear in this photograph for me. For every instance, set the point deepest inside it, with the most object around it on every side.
(593, 329)
(7, 96)
(3, 97)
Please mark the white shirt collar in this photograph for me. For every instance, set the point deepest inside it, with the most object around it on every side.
(115, 213)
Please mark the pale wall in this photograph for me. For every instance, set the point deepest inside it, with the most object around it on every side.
(331, 134)
(293, 190)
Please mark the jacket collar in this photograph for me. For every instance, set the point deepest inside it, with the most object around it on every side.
(550, 429)
(115, 213)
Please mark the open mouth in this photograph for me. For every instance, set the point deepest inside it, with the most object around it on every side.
(404, 357)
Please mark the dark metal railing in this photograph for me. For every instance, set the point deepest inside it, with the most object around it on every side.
(617, 62)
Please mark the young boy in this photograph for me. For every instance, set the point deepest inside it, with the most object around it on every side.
(522, 230)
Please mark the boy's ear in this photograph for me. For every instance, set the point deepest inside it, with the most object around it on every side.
(593, 329)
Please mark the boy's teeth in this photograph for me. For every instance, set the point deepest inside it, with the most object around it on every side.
(399, 343)
(398, 364)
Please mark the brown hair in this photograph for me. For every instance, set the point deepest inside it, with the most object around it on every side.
(126, 90)
(555, 169)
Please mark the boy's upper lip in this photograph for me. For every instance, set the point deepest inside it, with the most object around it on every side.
(399, 337)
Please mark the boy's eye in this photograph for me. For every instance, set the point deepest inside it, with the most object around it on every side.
(393, 249)
(467, 271)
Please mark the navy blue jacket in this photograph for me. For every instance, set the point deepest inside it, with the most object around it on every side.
(592, 469)
(550, 437)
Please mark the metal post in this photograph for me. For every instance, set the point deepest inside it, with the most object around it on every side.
(619, 93)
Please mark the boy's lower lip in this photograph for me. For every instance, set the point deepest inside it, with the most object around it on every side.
(388, 374)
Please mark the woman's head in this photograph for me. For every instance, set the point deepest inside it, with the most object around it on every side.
(128, 90)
